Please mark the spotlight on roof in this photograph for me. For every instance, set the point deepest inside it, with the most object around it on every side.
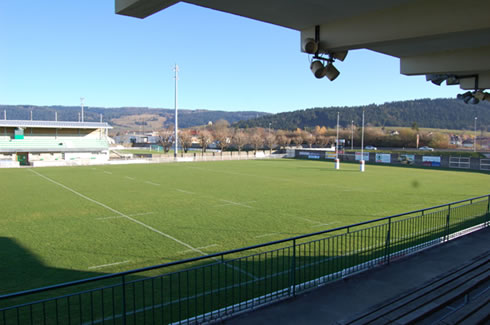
(452, 80)
(463, 96)
(331, 72)
(310, 46)
(472, 97)
(339, 55)
(318, 69)
(436, 79)
(473, 100)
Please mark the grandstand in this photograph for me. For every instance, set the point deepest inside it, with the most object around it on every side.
(52, 143)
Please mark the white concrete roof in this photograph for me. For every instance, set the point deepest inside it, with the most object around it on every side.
(54, 124)
(429, 36)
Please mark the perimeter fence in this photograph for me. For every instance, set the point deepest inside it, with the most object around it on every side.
(212, 287)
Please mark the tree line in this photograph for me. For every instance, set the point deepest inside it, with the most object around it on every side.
(258, 138)
(426, 113)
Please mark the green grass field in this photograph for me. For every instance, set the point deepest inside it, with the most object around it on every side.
(63, 224)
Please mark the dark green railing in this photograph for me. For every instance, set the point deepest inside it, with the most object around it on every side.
(212, 287)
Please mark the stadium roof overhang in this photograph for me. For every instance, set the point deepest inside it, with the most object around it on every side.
(53, 124)
(448, 39)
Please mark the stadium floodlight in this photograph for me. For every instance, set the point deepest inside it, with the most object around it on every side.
(331, 72)
(472, 100)
(463, 96)
(339, 55)
(480, 95)
(436, 79)
(310, 46)
(452, 80)
(318, 69)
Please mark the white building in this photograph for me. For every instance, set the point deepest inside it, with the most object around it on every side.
(52, 143)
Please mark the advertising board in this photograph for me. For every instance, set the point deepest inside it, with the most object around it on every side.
(365, 156)
(431, 161)
(384, 158)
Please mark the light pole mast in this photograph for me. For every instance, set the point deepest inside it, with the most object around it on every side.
(176, 140)
(337, 161)
(352, 136)
(362, 143)
(474, 143)
(81, 103)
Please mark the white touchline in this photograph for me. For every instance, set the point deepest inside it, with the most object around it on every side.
(183, 191)
(130, 215)
(151, 183)
(236, 203)
(325, 224)
(132, 219)
(204, 247)
(265, 235)
(108, 172)
(309, 220)
(105, 265)
(131, 178)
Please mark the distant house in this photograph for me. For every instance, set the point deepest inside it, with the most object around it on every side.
(455, 140)
(468, 143)
(484, 142)
(394, 132)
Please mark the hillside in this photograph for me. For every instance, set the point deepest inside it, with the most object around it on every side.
(126, 117)
(435, 113)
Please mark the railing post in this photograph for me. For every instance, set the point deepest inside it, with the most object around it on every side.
(488, 211)
(293, 270)
(387, 243)
(447, 221)
(123, 300)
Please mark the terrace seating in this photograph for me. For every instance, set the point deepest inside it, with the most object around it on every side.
(459, 296)
(51, 144)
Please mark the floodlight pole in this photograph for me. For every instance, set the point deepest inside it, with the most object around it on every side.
(352, 136)
(176, 140)
(337, 162)
(362, 143)
(474, 143)
(81, 103)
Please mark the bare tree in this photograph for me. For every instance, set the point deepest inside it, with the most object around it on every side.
(282, 139)
(205, 138)
(309, 138)
(222, 137)
(298, 137)
(270, 141)
(166, 138)
(257, 138)
(240, 139)
(322, 140)
(185, 139)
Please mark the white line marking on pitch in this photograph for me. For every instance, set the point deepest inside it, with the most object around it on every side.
(151, 183)
(237, 203)
(131, 178)
(204, 247)
(107, 172)
(266, 235)
(326, 224)
(105, 265)
(130, 215)
(309, 220)
(132, 219)
(183, 191)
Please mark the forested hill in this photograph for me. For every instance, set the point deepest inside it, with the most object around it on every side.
(435, 113)
(125, 117)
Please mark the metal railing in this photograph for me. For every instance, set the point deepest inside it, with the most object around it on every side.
(212, 287)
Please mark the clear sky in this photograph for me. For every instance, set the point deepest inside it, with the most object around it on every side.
(52, 52)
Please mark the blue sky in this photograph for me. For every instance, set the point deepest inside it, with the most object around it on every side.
(55, 51)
